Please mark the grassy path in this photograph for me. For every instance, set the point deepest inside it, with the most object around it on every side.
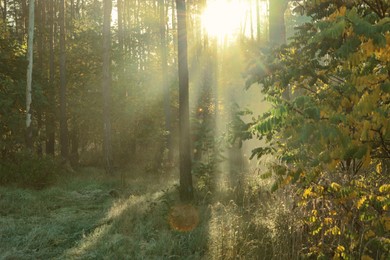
(94, 216)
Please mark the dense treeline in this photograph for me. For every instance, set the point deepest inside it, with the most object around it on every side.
(75, 63)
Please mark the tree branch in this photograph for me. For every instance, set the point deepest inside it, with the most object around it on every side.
(377, 11)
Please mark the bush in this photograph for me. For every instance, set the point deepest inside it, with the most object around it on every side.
(29, 170)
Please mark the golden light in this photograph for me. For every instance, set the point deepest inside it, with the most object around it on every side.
(226, 19)
(223, 18)
(183, 217)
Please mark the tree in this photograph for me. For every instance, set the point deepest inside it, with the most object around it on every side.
(106, 85)
(29, 136)
(50, 117)
(64, 141)
(186, 189)
(165, 83)
(331, 138)
(277, 28)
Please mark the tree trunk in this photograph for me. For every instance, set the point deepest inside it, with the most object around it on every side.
(74, 140)
(41, 25)
(29, 142)
(4, 14)
(63, 117)
(165, 83)
(106, 86)
(258, 20)
(251, 19)
(186, 189)
(173, 30)
(277, 28)
(50, 118)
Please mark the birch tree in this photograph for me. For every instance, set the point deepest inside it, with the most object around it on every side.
(29, 74)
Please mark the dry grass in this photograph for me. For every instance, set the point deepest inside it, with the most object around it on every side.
(92, 216)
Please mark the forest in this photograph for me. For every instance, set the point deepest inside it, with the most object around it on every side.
(195, 129)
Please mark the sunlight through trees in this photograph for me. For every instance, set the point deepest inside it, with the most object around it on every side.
(230, 129)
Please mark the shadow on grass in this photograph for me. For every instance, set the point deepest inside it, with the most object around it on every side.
(139, 230)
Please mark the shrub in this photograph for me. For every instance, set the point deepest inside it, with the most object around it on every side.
(29, 170)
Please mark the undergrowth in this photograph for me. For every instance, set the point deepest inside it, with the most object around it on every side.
(29, 170)
(89, 215)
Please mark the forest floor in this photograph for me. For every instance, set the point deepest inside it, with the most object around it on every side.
(89, 215)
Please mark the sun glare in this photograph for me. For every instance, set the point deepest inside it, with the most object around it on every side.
(223, 18)
(226, 19)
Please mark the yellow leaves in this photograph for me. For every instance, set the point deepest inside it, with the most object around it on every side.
(360, 184)
(340, 249)
(369, 234)
(320, 189)
(380, 198)
(378, 168)
(384, 188)
(339, 252)
(328, 221)
(334, 231)
(339, 12)
(308, 193)
(335, 186)
(386, 222)
(361, 201)
(286, 181)
(383, 54)
(366, 257)
(368, 48)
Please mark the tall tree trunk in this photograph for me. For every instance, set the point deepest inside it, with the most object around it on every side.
(258, 20)
(120, 7)
(251, 19)
(107, 150)
(74, 140)
(25, 12)
(186, 189)
(64, 141)
(174, 34)
(50, 118)
(4, 14)
(277, 28)
(165, 83)
(41, 25)
(30, 56)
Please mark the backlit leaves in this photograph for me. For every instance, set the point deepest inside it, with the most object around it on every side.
(332, 137)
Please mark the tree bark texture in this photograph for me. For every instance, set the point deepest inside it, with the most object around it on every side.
(30, 56)
(64, 141)
(186, 189)
(106, 85)
(50, 117)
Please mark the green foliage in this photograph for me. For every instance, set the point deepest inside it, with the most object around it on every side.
(29, 170)
(329, 126)
(12, 94)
